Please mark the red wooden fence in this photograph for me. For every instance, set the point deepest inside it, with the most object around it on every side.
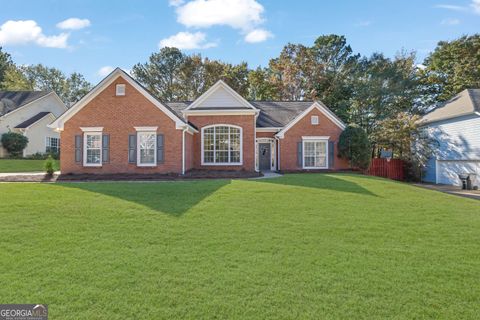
(387, 168)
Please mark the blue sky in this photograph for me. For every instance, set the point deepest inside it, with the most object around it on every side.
(91, 36)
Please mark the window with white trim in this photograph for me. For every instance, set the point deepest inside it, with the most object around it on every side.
(52, 145)
(146, 148)
(92, 149)
(222, 144)
(314, 120)
(315, 153)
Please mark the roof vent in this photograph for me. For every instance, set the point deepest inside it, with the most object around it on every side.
(120, 90)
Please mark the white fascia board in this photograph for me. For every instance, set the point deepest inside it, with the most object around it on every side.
(212, 89)
(315, 105)
(59, 123)
(269, 129)
(219, 112)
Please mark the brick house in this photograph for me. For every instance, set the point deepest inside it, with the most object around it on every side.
(119, 127)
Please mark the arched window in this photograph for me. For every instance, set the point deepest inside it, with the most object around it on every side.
(222, 145)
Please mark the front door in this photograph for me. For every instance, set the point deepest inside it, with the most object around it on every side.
(264, 156)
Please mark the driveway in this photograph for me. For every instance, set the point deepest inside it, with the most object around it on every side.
(457, 191)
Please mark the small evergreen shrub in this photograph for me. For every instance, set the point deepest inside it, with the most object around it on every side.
(49, 165)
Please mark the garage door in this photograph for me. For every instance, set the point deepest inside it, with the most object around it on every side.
(448, 170)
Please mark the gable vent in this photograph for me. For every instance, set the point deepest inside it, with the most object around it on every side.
(120, 90)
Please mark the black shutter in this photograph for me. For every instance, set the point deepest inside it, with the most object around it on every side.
(299, 154)
(105, 148)
(331, 154)
(78, 148)
(132, 148)
(160, 148)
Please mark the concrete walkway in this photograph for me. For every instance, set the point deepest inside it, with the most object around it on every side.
(269, 175)
(16, 174)
(457, 191)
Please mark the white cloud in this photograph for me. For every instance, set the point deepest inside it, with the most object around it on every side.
(450, 22)
(187, 40)
(238, 14)
(105, 71)
(476, 6)
(23, 32)
(73, 24)
(175, 3)
(242, 15)
(258, 35)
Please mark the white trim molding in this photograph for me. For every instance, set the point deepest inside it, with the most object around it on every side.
(86, 134)
(320, 107)
(152, 129)
(91, 129)
(269, 129)
(315, 139)
(219, 84)
(273, 153)
(233, 112)
(147, 132)
(58, 124)
(203, 163)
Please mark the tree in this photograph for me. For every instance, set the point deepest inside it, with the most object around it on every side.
(335, 63)
(454, 66)
(354, 146)
(5, 65)
(70, 89)
(15, 80)
(14, 143)
(160, 75)
(259, 85)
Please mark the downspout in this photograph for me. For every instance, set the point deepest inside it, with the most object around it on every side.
(183, 150)
(278, 153)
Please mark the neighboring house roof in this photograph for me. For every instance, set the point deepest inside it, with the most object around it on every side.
(27, 123)
(465, 103)
(12, 100)
(272, 113)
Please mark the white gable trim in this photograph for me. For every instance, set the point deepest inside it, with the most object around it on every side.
(215, 87)
(33, 101)
(315, 105)
(60, 122)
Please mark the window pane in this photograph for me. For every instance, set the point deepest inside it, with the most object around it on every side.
(147, 147)
(93, 156)
(221, 144)
(93, 141)
(208, 157)
(235, 156)
(221, 156)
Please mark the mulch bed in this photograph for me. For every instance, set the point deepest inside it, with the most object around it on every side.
(192, 175)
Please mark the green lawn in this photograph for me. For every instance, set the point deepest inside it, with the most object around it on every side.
(23, 165)
(301, 246)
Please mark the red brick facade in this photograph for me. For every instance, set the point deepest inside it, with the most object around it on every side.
(119, 115)
(246, 122)
(288, 145)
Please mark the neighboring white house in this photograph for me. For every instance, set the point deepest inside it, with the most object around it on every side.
(455, 125)
(29, 113)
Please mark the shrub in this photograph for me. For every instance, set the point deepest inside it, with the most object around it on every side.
(14, 143)
(49, 163)
(43, 156)
(354, 146)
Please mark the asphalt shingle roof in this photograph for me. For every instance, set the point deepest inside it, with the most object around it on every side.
(27, 123)
(11, 100)
(272, 113)
(464, 103)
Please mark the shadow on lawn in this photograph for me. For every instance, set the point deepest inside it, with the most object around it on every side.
(173, 198)
(320, 181)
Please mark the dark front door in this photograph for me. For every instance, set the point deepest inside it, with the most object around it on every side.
(264, 156)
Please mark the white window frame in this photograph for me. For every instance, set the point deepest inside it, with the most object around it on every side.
(214, 150)
(85, 135)
(120, 90)
(314, 120)
(315, 139)
(48, 143)
(141, 131)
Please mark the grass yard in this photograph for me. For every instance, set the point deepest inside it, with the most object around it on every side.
(24, 165)
(302, 246)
